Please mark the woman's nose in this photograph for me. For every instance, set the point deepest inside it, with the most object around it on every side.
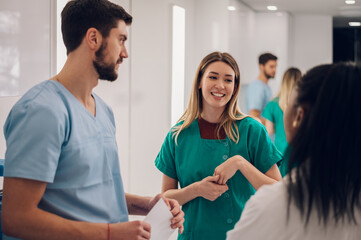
(219, 84)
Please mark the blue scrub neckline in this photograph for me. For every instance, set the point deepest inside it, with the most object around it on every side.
(63, 88)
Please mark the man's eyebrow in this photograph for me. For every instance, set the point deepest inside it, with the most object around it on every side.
(124, 37)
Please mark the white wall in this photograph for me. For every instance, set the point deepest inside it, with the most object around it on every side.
(25, 45)
(150, 91)
(150, 87)
(312, 41)
(272, 35)
(242, 30)
(211, 27)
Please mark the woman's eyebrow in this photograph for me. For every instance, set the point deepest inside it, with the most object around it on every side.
(214, 73)
(227, 75)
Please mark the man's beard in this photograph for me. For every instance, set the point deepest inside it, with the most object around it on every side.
(268, 76)
(105, 71)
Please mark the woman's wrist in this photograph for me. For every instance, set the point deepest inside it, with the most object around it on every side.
(194, 189)
(239, 162)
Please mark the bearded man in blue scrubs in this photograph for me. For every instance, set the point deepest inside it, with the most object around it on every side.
(62, 176)
(259, 93)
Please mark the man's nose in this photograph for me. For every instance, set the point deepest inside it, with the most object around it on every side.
(124, 53)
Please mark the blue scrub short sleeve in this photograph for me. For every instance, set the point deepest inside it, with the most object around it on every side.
(34, 136)
(268, 112)
(263, 152)
(165, 160)
(254, 97)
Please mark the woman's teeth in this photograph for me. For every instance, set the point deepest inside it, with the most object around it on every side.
(217, 94)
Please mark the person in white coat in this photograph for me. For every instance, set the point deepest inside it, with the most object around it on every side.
(321, 197)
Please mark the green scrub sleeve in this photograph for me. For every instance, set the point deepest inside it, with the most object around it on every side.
(268, 112)
(165, 160)
(263, 152)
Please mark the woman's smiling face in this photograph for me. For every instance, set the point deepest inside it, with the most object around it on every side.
(217, 86)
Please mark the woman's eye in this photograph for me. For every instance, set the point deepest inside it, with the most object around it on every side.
(212, 77)
(229, 80)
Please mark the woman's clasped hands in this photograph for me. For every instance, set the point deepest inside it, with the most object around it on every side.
(214, 186)
(227, 169)
(209, 189)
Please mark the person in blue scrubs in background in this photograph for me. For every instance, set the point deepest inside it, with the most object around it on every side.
(62, 176)
(258, 93)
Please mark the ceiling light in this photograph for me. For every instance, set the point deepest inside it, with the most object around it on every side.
(231, 8)
(272, 8)
(350, 1)
(354, 24)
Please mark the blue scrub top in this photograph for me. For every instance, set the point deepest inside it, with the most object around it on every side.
(51, 137)
(258, 94)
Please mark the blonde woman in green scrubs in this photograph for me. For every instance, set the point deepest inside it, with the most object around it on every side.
(219, 156)
(273, 113)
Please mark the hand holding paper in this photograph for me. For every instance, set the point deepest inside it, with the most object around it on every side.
(159, 218)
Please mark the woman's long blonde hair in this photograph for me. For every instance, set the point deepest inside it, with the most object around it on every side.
(290, 77)
(195, 106)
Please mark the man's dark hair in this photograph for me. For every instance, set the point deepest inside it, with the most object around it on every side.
(265, 57)
(326, 148)
(80, 15)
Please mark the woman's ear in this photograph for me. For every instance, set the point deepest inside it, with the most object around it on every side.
(300, 113)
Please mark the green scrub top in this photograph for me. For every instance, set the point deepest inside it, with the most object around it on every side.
(274, 113)
(193, 158)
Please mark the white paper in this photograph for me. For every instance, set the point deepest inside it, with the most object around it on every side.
(159, 219)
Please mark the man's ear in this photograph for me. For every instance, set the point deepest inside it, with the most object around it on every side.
(300, 113)
(93, 38)
(261, 66)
